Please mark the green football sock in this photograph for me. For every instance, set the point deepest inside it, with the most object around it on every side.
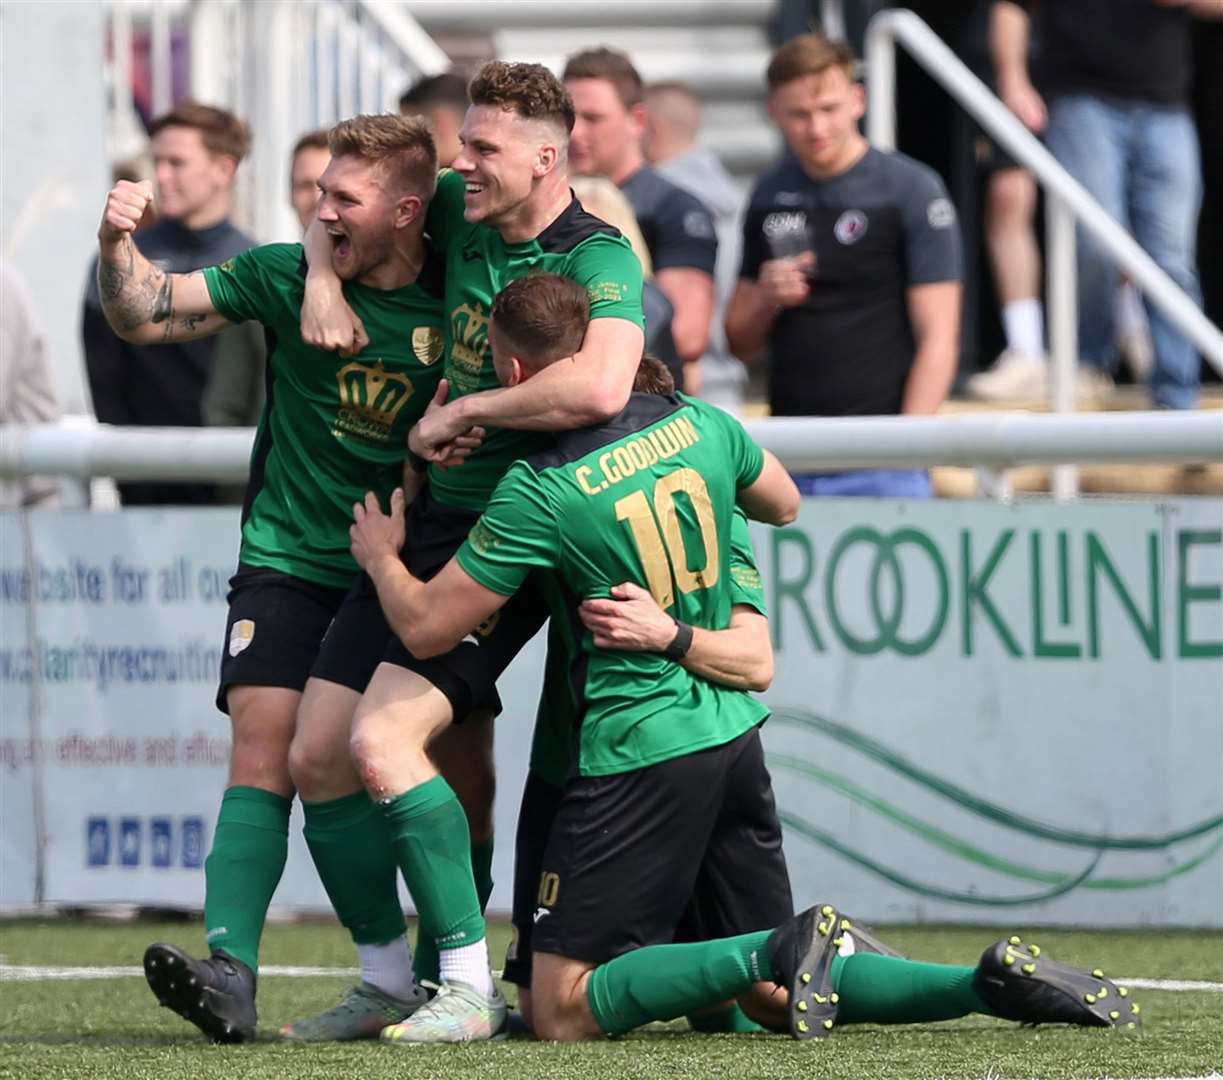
(350, 843)
(424, 957)
(432, 845)
(890, 990)
(241, 873)
(661, 982)
(732, 1021)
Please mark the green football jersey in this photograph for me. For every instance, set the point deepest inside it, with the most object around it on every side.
(556, 719)
(479, 264)
(332, 428)
(648, 497)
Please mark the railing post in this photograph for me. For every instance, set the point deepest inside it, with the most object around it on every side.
(161, 46)
(1061, 303)
(880, 56)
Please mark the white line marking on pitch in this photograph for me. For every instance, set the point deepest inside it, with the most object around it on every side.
(29, 973)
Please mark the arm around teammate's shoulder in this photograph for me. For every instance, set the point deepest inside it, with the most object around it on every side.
(772, 497)
(142, 303)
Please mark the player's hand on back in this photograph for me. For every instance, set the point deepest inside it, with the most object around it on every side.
(631, 620)
(376, 535)
(327, 321)
(126, 205)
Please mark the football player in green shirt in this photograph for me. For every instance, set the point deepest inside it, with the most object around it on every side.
(331, 428)
(668, 798)
(504, 211)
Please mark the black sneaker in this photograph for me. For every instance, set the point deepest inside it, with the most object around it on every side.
(217, 995)
(801, 952)
(1019, 982)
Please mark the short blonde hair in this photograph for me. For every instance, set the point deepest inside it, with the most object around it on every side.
(601, 197)
(403, 145)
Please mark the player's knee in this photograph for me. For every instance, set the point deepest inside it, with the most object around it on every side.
(560, 1011)
(312, 763)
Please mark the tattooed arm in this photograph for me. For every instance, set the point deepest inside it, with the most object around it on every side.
(142, 303)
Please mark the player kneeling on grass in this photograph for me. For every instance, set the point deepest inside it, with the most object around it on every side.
(664, 756)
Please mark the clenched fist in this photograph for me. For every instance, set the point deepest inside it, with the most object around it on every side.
(125, 206)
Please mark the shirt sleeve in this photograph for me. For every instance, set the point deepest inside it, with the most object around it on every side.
(745, 584)
(444, 221)
(684, 235)
(742, 451)
(245, 287)
(611, 273)
(517, 533)
(932, 231)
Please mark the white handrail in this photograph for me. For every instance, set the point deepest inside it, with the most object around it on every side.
(898, 24)
(989, 440)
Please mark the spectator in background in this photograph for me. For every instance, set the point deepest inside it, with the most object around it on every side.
(27, 394)
(678, 228)
(601, 197)
(442, 100)
(1014, 252)
(1114, 80)
(851, 267)
(672, 123)
(310, 158)
(196, 152)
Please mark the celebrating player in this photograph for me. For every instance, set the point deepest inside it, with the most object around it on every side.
(331, 428)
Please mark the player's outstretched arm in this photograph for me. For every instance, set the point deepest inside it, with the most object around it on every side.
(773, 497)
(142, 303)
(431, 617)
(741, 656)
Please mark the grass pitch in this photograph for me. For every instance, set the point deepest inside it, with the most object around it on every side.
(106, 1028)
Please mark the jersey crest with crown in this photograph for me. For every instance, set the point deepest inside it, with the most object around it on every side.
(370, 400)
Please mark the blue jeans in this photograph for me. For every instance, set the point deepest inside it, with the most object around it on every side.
(873, 483)
(1140, 162)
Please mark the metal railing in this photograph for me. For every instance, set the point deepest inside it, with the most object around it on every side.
(989, 442)
(284, 66)
(1066, 202)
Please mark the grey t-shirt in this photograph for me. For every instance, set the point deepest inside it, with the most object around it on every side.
(881, 227)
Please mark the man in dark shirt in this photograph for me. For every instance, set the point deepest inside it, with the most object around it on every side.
(1113, 104)
(851, 266)
(608, 96)
(196, 151)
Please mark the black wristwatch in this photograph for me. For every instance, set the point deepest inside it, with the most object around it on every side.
(681, 643)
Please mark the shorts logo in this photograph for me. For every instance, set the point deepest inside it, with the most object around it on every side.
(540, 913)
(427, 343)
(940, 214)
(241, 634)
(851, 226)
(549, 890)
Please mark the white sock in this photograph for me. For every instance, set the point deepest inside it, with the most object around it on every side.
(467, 964)
(1023, 323)
(388, 967)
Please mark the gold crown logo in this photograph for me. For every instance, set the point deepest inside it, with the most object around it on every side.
(373, 392)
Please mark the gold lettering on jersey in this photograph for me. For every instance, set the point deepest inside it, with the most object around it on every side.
(613, 291)
(746, 577)
(370, 399)
(637, 454)
(427, 344)
(468, 345)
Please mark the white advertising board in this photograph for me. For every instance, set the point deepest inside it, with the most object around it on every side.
(981, 712)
